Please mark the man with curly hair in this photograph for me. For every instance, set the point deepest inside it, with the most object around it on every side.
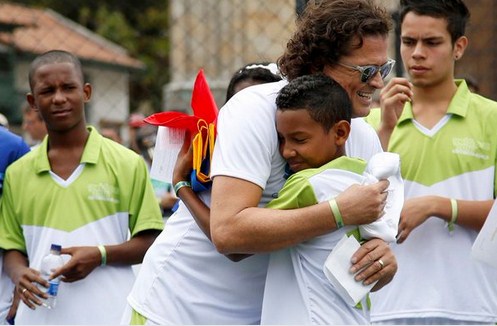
(185, 278)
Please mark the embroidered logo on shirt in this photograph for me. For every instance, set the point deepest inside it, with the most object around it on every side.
(102, 191)
(471, 147)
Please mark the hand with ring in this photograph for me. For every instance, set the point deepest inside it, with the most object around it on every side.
(28, 292)
(374, 261)
(26, 279)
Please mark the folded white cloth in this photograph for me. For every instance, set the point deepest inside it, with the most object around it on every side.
(381, 166)
(384, 165)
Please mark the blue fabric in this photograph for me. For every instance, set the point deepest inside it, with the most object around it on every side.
(12, 147)
(288, 171)
(198, 185)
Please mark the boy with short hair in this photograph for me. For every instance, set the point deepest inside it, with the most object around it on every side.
(446, 139)
(313, 123)
(79, 190)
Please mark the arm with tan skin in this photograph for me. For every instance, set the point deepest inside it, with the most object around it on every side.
(393, 96)
(369, 253)
(200, 212)
(471, 214)
(15, 264)
(15, 305)
(83, 261)
(238, 225)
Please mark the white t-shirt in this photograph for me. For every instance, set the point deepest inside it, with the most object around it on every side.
(297, 290)
(183, 279)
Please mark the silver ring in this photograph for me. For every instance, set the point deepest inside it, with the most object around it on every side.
(382, 264)
(22, 292)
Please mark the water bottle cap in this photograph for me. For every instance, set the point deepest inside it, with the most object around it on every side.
(55, 247)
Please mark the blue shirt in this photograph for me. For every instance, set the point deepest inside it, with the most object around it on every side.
(12, 147)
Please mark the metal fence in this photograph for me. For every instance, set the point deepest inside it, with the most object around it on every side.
(218, 36)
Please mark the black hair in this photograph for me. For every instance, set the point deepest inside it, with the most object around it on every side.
(325, 100)
(256, 72)
(328, 30)
(54, 56)
(454, 11)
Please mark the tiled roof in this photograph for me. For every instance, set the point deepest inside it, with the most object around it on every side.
(43, 30)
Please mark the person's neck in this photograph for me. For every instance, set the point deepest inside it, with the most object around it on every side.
(430, 104)
(68, 139)
(441, 93)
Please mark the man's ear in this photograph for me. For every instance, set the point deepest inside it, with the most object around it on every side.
(31, 101)
(342, 132)
(459, 47)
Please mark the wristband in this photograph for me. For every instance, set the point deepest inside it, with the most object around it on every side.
(453, 217)
(180, 185)
(103, 252)
(336, 213)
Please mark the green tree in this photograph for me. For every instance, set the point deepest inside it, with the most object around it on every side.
(141, 27)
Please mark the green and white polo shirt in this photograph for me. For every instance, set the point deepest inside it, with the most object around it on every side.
(106, 200)
(456, 159)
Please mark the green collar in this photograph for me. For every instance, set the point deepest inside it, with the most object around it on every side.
(90, 154)
(458, 105)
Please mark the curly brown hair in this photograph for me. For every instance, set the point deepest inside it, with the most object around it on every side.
(327, 30)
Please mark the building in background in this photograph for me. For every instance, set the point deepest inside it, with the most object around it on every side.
(221, 36)
(26, 32)
(480, 58)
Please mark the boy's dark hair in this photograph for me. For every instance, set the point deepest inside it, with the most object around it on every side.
(328, 30)
(454, 11)
(257, 72)
(325, 100)
(54, 56)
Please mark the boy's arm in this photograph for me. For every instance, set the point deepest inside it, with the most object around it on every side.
(201, 214)
(15, 264)
(470, 214)
(238, 225)
(197, 208)
(393, 96)
(85, 259)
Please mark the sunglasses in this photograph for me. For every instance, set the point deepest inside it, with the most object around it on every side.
(368, 72)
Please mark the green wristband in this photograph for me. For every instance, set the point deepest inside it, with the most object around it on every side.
(454, 216)
(336, 213)
(180, 185)
(103, 252)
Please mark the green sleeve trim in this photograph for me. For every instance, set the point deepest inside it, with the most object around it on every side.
(296, 192)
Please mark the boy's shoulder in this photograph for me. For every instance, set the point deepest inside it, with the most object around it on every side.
(344, 163)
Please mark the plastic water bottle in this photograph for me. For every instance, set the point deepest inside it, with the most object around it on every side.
(49, 264)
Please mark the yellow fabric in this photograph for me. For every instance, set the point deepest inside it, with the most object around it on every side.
(137, 319)
(203, 147)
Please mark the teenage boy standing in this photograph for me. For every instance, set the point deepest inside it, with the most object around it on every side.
(445, 136)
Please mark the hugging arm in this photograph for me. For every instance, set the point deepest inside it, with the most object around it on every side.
(199, 210)
(238, 225)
